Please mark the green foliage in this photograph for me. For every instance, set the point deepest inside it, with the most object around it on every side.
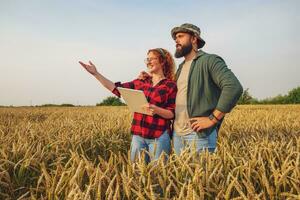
(293, 97)
(246, 98)
(67, 105)
(111, 101)
(279, 99)
(57, 105)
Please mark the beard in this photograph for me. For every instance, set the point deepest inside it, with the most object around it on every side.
(185, 49)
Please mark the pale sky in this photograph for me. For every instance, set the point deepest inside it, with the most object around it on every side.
(41, 43)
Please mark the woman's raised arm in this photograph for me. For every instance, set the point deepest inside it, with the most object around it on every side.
(91, 68)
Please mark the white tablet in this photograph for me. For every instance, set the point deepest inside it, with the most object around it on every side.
(135, 99)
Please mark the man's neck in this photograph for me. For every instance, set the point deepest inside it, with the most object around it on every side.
(191, 55)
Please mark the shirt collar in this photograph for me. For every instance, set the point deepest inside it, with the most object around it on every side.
(199, 53)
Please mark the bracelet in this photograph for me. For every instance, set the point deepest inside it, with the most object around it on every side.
(215, 117)
(212, 116)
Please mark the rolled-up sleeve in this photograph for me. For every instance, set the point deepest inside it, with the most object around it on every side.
(231, 88)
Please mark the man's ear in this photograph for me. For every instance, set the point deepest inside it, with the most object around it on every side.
(195, 40)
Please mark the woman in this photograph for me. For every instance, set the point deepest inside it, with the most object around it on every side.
(150, 133)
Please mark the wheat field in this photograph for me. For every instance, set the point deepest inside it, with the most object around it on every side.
(82, 153)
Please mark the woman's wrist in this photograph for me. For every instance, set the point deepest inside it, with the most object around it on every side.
(95, 73)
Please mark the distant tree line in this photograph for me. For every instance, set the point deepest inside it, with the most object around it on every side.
(111, 101)
(293, 97)
(56, 105)
(44, 105)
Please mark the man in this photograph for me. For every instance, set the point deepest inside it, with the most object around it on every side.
(207, 90)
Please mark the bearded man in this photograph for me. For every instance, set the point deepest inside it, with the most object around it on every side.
(207, 90)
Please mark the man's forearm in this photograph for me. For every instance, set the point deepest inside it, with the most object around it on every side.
(230, 86)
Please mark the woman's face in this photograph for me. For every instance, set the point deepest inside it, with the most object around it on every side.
(153, 63)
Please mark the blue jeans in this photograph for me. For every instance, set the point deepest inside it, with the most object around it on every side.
(194, 140)
(155, 147)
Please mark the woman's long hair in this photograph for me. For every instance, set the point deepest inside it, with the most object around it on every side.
(168, 62)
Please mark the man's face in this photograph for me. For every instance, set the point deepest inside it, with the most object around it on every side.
(183, 44)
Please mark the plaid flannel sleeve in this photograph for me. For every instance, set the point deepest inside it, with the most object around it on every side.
(171, 97)
(135, 84)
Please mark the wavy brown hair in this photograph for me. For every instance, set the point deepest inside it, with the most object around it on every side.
(168, 62)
